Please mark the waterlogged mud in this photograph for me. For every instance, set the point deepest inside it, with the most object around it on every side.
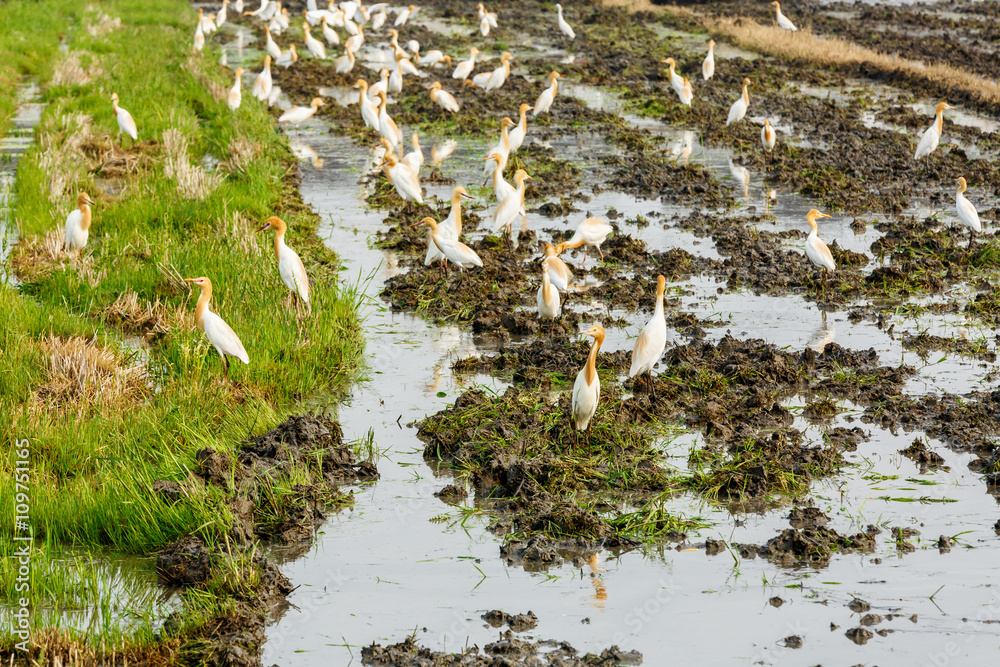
(301, 447)
(771, 424)
(507, 650)
(530, 468)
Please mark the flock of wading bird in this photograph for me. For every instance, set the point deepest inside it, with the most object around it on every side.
(444, 243)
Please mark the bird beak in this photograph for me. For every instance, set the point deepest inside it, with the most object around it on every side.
(265, 226)
(531, 108)
(90, 202)
(467, 195)
(824, 215)
(190, 280)
(528, 178)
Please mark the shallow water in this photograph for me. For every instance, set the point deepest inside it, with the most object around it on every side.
(402, 562)
(374, 568)
(13, 145)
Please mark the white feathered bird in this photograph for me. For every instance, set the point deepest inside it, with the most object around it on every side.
(290, 267)
(587, 388)
(219, 334)
(78, 224)
(740, 106)
(652, 339)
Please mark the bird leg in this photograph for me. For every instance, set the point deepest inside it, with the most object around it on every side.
(225, 366)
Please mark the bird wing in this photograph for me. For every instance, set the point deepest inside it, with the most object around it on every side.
(127, 124)
(969, 214)
(223, 338)
(820, 254)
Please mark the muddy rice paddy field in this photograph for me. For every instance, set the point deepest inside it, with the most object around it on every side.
(812, 475)
(815, 480)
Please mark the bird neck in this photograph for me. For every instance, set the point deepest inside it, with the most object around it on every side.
(940, 121)
(746, 94)
(456, 212)
(505, 136)
(202, 307)
(961, 188)
(659, 302)
(363, 96)
(85, 217)
(590, 372)
(575, 242)
(523, 121)
(279, 242)
(114, 106)
(546, 284)
(497, 175)
(555, 86)
(815, 229)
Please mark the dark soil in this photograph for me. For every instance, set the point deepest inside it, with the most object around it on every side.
(507, 650)
(303, 444)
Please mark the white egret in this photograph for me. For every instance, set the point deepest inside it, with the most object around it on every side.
(817, 251)
(564, 27)
(559, 273)
(708, 67)
(290, 268)
(549, 305)
(329, 34)
(652, 340)
(262, 84)
(591, 233)
(126, 124)
(78, 224)
(415, 158)
(676, 80)
(298, 115)
(932, 135)
(967, 213)
(548, 96)
(782, 20)
(516, 136)
(219, 334)
(455, 252)
(740, 106)
(587, 388)
(767, 136)
(443, 98)
(235, 96)
(404, 179)
(450, 228)
(465, 67)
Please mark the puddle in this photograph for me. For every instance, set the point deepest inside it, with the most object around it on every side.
(12, 146)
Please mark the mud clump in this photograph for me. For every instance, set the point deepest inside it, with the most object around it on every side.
(452, 494)
(859, 636)
(507, 650)
(516, 622)
(185, 563)
(922, 456)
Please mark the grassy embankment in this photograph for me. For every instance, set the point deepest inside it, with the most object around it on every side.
(107, 417)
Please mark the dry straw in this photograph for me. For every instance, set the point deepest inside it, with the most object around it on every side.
(804, 46)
